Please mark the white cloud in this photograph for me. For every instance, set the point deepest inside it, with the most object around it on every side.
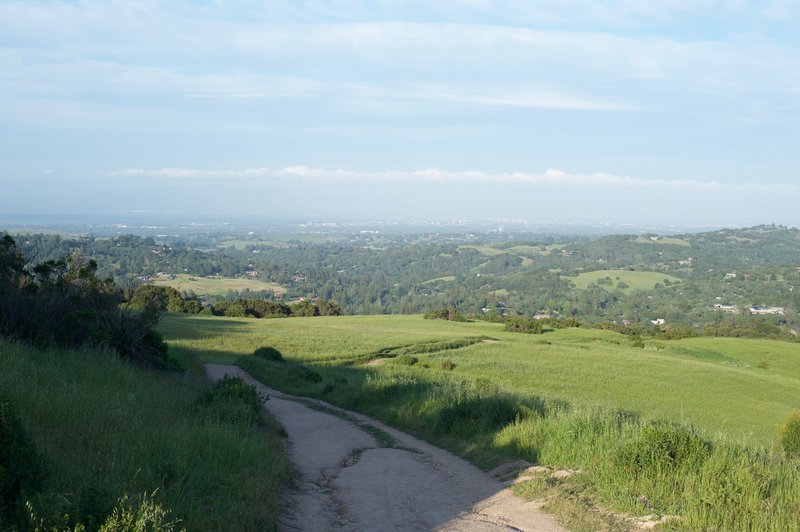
(550, 177)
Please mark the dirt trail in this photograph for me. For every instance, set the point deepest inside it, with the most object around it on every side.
(357, 474)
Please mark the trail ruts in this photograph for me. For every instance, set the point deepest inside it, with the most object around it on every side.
(357, 474)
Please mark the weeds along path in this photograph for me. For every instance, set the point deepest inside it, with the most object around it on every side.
(356, 474)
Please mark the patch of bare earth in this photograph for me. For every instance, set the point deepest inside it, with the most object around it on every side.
(356, 473)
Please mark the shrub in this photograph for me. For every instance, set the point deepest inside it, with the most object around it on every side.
(524, 325)
(269, 353)
(21, 469)
(448, 365)
(476, 415)
(637, 342)
(305, 374)
(663, 446)
(63, 302)
(140, 514)
(449, 314)
(406, 360)
(790, 435)
(231, 400)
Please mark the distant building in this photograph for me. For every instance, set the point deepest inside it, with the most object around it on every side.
(726, 308)
(730, 275)
(760, 310)
(658, 321)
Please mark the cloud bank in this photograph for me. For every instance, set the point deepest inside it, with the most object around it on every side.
(550, 177)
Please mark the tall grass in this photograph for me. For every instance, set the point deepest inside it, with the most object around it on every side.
(741, 387)
(630, 465)
(106, 430)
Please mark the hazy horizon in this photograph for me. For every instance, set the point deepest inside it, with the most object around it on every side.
(665, 113)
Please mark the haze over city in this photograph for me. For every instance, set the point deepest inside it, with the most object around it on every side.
(670, 112)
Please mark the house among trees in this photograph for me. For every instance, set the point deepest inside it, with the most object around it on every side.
(759, 310)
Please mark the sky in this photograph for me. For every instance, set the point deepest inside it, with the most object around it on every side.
(673, 112)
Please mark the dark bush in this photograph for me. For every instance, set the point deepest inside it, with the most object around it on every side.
(790, 435)
(449, 314)
(21, 468)
(406, 360)
(448, 365)
(269, 353)
(305, 374)
(476, 415)
(63, 302)
(231, 400)
(663, 446)
(524, 325)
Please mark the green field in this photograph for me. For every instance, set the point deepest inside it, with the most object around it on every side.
(534, 250)
(737, 388)
(635, 280)
(445, 279)
(485, 250)
(571, 398)
(215, 286)
(492, 252)
(663, 240)
(106, 429)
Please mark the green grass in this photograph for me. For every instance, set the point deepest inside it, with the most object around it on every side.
(717, 384)
(535, 250)
(635, 280)
(323, 338)
(492, 252)
(571, 398)
(485, 250)
(215, 286)
(663, 240)
(445, 279)
(107, 429)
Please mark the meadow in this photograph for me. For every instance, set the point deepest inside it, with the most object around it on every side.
(493, 252)
(636, 280)
(681, 427)
(214, 286)
(107, 431)
(740, 389)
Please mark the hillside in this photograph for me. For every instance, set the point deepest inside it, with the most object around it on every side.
(739, 389)
(520, 274)
(686, 428)
(107, 433)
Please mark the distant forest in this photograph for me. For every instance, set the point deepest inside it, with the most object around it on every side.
(719, 277)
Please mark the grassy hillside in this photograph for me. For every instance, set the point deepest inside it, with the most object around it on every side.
(214, 286)
(570, 399)
(739, 388)
(634, 279)
(106, 429)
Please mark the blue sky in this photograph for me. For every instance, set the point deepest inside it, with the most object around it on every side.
(663, 111)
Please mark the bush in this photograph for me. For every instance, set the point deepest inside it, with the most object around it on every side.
(448, 365)
(790, 435)
(269, 353)
(141, 514)
(663, 446)
(477, 415)
(524, 325)
(63, 302)
(406, 360)
(21, 469)
(449, 314)
(231, 400)
(305, 374)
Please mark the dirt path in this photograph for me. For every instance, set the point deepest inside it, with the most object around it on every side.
(356, 473)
